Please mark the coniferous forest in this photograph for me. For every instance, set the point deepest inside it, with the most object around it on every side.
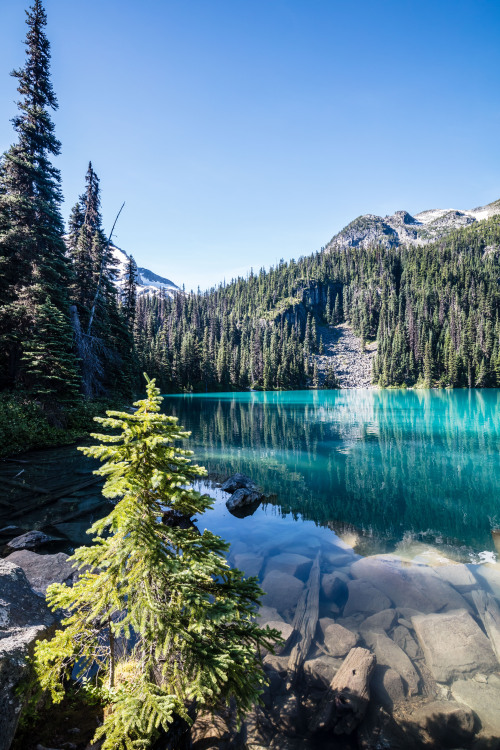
(68, 336)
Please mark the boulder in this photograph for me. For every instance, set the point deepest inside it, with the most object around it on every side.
(390, 655)
(323, 623)
(242, 497)
(404, 639)
(249, 563)
(319, 672)
(414, 586)
(489, 574)
(483, 699)
(364, 598)
(338, 641)
(453, 644)
(383, 620)
(458, 575)
(442, 724)
(334, 588)
(24, 619)
(290, 563)
(266, 614)
(282, 591)
(238, 482)
(42, 570)
(29, 540)
(387, 686)
(285, 630)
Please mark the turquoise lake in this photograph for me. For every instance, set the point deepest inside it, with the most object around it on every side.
(389, 468)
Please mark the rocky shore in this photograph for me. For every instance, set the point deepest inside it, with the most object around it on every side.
(378, 652)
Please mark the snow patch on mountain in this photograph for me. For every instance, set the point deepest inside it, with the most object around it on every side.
(401, 228)
(147, 282)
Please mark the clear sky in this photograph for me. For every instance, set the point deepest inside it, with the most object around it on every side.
(239, 132)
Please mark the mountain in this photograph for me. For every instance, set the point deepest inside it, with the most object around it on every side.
(401, 228)
(148, 283)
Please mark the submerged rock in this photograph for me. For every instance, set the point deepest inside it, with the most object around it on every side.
(338, 641)
(413, 586)
(42, 570)
(364, 598)
(453, 644)
(483, 699)
(282, 591)
(249, 563)
(387, 686)
(390, 655)
(442, 724)
(24, 618)
(291, 563)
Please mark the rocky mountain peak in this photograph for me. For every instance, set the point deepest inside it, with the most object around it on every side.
(401, 228)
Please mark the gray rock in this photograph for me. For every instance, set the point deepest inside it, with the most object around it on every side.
(338, 641)
(387, 686)
(249, 563)
(282, 591)
(24, 618)
(489, 574)
(266, 614)
(453, 645)
(457, 575)
(242, 497)
(319, 672)
(444, 722)
(323, 623)
(30, 540)
(413, 586)
(285, 630)
(483, 699)
(404, 639)
(42, 570)
(390, 655)
(383, 620)
(334, 588)
(290, 563)
(364, 598)
(238, 482)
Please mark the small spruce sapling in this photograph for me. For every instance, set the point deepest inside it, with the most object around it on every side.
(156, 611)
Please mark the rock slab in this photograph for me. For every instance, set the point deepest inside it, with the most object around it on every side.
(453, 644)
(42, 570)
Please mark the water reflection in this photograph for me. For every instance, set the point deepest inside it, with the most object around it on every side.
(391, 464)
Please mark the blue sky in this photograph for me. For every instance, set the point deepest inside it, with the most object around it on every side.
(239, 132)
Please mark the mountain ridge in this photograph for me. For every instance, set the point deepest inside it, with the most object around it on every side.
(401, 228)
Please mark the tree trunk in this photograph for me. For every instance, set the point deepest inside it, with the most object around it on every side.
(346, 701)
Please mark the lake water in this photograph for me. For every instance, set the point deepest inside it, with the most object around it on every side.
(396, 494)
(388, 466)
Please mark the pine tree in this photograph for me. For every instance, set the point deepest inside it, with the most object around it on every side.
(33, 266)
(166, 591)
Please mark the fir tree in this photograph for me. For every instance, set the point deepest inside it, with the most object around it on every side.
(33, 266)
(166, 591)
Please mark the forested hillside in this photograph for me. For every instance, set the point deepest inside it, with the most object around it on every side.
(434, 311)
